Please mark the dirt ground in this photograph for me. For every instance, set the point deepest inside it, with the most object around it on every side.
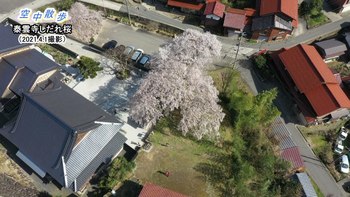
(180, 158)
(13, 182)
(11, 188)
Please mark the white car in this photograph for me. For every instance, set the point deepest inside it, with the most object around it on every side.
(344, 164)
(343, 134)
(338, 148)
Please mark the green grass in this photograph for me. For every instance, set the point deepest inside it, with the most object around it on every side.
(316, 20)
(180, 158)
(317, 189)
(340, 67)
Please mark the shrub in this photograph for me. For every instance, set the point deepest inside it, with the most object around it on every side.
(88, 67)
(116, 172)
(65, 4)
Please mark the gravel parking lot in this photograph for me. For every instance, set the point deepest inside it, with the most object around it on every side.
(126, 35)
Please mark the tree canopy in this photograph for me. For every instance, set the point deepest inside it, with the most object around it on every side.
(86, 22)
(178, 82)
(88, 67)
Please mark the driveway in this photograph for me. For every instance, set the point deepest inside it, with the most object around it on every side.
(127, 35)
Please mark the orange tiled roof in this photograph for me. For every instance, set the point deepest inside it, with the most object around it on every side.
(314, 79)
(181, 4)
(152, 190)
(288, 7)
(215, 8)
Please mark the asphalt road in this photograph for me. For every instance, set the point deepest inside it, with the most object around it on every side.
(9, 5)
(142, 12)
(308, 36)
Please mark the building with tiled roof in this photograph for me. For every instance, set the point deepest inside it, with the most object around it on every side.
(58, 134)
(314, 87)
(236, 20)
(187, 5)
(214, 13)
(331, 49)
(152, 190)
(277, 19)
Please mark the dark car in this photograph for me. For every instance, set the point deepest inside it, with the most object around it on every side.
(144, 62)
(110, 45)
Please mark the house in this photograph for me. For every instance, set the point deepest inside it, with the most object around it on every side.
(237, 20)
(58, 133)
(288, 149)
(188, 6)
(276, 20)
(213, 13)
(314, 88)
(340, 6)
(331, 49)
(152, 190)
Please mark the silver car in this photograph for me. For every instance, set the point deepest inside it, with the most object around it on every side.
(128, 50)
(136, 55)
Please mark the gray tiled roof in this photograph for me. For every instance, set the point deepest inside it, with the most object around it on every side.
(41, 138)
(85, 152)
(7, 72)
(47, 126)
(8, 40)
(23, 81)
(33, 60)
(331, 47)
(287, 143)
(279, 129)
(271, 21)
(69, 107)
(306, 184)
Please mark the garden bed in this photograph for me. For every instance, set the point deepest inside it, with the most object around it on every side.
(316, 21)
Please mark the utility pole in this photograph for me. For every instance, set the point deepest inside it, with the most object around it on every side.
(239, 44)
(104, 8)
(127, 9)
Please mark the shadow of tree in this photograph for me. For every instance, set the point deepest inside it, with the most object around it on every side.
(215, 169)
(115, 95)
(129, 189)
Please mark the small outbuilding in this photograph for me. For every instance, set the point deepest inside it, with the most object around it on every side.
(309, 190)
(331, 49)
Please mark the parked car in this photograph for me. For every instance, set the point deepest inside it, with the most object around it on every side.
(338, 148)
(343, 134)
(110, 45)
(143, 62)
(136, 55)
(128, 50)
(344, 164)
